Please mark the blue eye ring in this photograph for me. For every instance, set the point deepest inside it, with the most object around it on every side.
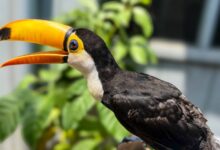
(73, 45)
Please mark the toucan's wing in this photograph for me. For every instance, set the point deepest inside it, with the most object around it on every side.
(155, 110)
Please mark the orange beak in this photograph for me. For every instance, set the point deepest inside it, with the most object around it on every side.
(39, 32)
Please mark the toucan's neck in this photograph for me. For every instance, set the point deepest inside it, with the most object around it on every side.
(97, 70)
(97, 49)
(101, 74)
(105, 65)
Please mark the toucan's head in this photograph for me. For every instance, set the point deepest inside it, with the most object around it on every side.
(80, 48)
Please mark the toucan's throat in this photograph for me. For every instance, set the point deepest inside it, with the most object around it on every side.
(94, 84)
(106, 70)
(86, 65)
(102, 72)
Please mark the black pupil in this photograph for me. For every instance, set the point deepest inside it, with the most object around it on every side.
(73, 45)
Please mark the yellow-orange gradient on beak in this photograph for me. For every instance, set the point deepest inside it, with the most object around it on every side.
(40, 32)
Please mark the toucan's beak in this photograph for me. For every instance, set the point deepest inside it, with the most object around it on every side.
(38, 58)
(39, 32)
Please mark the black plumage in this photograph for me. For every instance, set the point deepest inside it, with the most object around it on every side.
(148, 107)
(156, 111)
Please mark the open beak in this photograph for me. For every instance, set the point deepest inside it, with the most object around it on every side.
(40, 32)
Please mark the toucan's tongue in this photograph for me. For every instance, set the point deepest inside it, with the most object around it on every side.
(40, 32)
(38, 58)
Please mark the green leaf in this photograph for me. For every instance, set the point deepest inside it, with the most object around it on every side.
(143, 19)
(34, 123)
(125, 1)
(138, 40)
(139, 49)
(90, 123)
(91, 5)
(143, 2)
(113, 6)
(110, 15)
(34, 118)
(9, 116)
(117, 12)
(62, 146)
(52, 116)
(77, 88)
(59, 67)
(74, 112)
(49, 75)
(32, 129)
(146, 2)
(88, 144)
(73, 73)
(153, 57)
(138, 54)
(57, 96)
(27, 81)
(125, 16)
(12, 109)
(120, 50)
(110, 123)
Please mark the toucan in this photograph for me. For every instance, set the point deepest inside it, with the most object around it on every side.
(150, 108)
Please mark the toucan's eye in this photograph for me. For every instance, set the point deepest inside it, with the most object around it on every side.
(73, 45)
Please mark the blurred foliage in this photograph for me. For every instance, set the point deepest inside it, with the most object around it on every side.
(55, 108)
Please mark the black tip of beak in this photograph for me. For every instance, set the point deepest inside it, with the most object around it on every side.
(65, 59)
(5, 33)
